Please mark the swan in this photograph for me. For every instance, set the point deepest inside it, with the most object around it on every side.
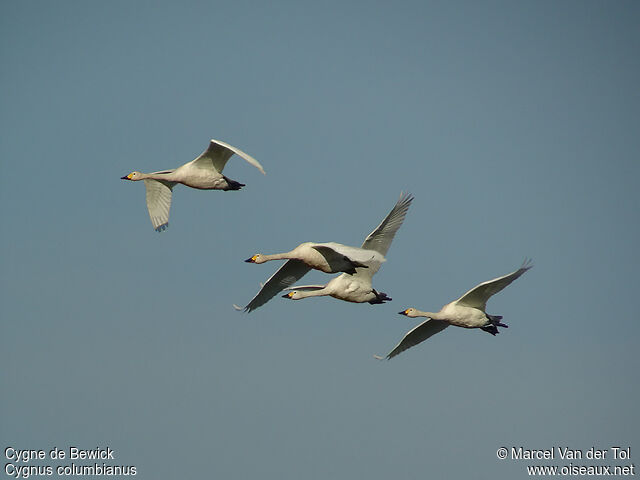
(468, 312)
(204, 173)
(332, 256)
(357, 287)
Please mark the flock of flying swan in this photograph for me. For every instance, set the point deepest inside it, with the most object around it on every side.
(356, 265)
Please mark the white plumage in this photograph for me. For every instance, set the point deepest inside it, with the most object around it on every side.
(359, 263)
(357, 287)
(468, 311)
(204, 173)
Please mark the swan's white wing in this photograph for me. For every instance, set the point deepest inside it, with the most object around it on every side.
(477, 297)
(380, 239)
(158, 202)
(217, 155)
(285, 276)
(418, 335)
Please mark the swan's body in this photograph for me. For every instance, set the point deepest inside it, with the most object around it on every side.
(333, 257)
(203, 173)
(357, 287)
(468, 311)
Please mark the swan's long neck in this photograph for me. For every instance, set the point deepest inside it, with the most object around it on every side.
(314, 293)
(433, 315)
(165, 175)
(277, 256)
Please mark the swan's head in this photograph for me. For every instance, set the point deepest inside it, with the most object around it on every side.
(257, 258)
(132, 176)
(409, 312)
(293, 295)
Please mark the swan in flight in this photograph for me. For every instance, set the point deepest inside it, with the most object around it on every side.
(204, 173)
(468, 312)
(357, 287)
(328, 257)
(333, 258)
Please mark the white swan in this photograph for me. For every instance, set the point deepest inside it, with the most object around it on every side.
(204, 173)
(468, 312)
(332, 256)
(357, 287)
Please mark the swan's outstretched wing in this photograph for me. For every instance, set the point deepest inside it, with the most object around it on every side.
(217, 155)
(380, 239)
(477, 297)
(159, 202)
(417, 335)
(285, 276)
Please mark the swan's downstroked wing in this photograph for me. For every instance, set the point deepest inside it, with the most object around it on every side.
(285, 276)
(417, 335)
(158, 202)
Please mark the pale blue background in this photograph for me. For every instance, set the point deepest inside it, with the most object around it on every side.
(516, 126)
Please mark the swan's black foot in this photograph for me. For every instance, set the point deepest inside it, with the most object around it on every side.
(232, 184)
(381, 297)
(495, 323)
(492, 329)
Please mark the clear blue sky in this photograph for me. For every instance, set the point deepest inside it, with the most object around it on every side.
(514, 124)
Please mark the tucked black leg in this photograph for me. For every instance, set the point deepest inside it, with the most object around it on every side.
(494, 320)
(492, 329)
(233, 185)
(381, 297)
